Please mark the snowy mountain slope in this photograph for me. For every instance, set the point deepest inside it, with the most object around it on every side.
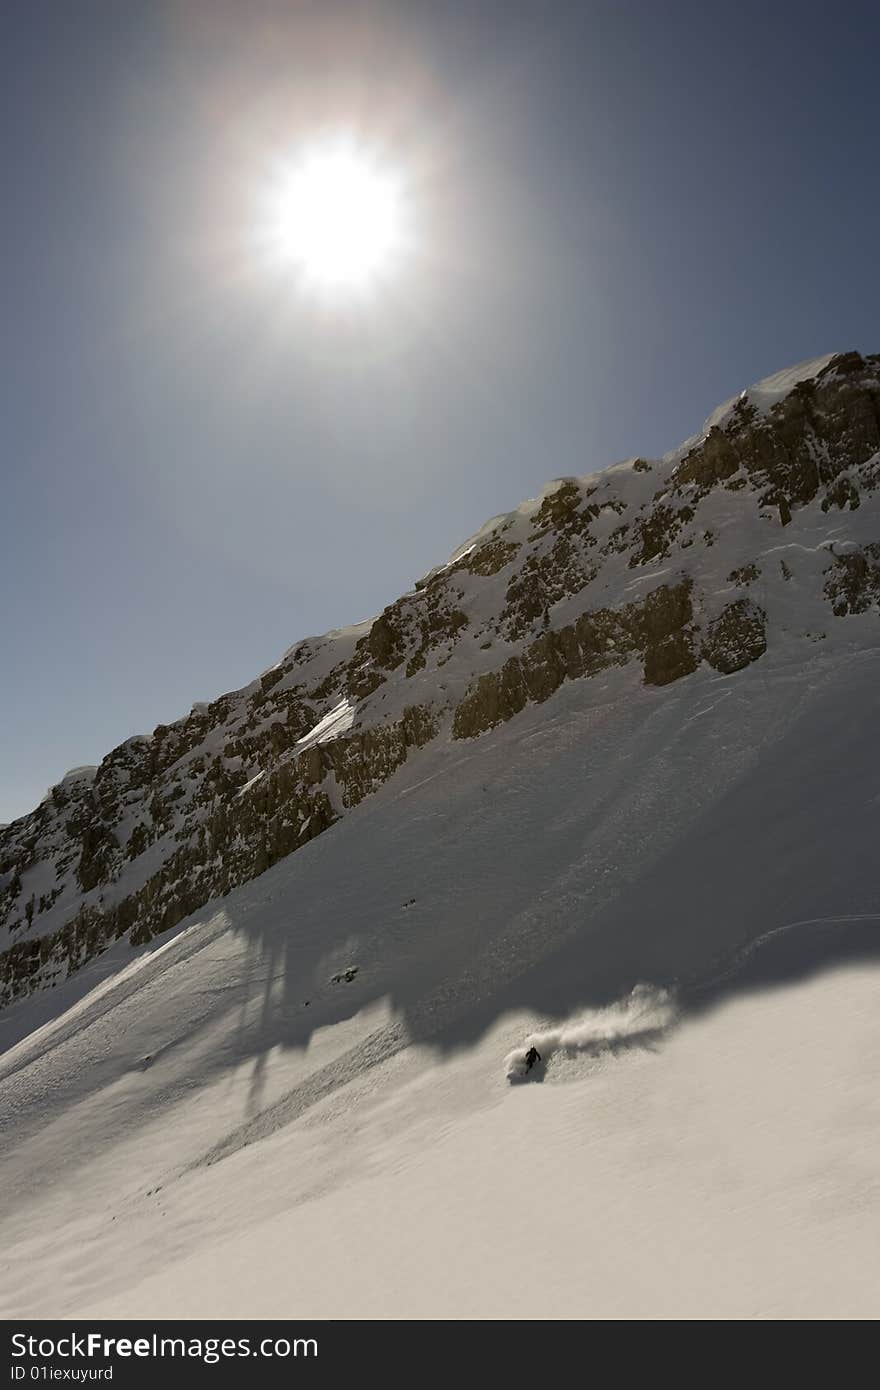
(224, 1113)
(727, 1173)
(761, 530)
(293, 1101)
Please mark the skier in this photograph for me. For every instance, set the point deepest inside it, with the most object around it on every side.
(532, 1056)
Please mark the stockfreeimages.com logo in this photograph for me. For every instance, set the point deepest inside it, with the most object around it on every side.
(95, 1345)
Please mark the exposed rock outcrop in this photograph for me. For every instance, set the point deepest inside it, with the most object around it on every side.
(853, 584)
(658, 630)
(736, 638)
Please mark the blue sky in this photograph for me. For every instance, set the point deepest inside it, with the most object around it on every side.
(625, 211)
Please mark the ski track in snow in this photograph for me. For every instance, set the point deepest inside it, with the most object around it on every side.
(753, 948)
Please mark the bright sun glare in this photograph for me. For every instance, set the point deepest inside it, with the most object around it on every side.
(337, 216)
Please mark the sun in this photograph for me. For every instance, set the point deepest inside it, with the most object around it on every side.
(336, 214)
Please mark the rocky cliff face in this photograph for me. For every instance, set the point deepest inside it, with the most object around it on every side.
(763, 531)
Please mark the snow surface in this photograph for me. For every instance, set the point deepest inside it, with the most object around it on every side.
(86, 773)
(732, 1174)
(220, 1130)
(338, 721)
(769, 392)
